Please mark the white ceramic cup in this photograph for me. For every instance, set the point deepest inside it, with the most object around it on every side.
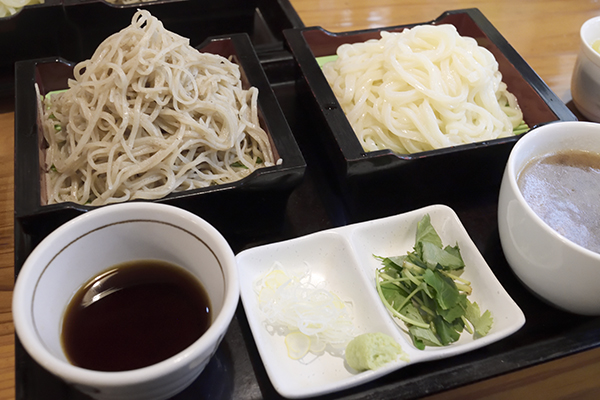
(585, 81)
(89, 244)
(557, 269)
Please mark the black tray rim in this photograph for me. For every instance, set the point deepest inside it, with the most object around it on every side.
(349, 144)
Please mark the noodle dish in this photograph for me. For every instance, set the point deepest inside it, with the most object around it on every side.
(148, 115)
(421, 89)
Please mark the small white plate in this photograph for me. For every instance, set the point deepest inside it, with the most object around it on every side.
(343, 259)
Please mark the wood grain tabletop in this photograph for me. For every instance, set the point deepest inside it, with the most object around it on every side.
(544, 32)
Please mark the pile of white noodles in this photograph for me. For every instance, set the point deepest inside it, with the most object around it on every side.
(421, 89)
(148, 115)
(11, 7)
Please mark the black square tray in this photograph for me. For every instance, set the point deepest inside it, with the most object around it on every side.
(381, 182)
(236, 371)
(236, 208)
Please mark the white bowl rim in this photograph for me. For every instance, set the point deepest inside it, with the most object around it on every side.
(104, 379)
(512, 180)
(587, 45)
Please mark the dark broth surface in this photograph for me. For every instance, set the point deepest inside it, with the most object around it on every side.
(134, 315)
(564, 190)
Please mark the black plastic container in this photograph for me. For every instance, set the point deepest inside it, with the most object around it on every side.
(237, 209)
(379, 183)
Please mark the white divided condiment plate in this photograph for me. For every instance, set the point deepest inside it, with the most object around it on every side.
(343, 259)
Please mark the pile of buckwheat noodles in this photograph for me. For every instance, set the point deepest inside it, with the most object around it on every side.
(148, 115)
(421, 89)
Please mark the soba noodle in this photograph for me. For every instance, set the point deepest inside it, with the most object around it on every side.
(421, 89)
(148, 115)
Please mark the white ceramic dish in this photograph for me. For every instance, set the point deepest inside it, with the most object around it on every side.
(343, 259)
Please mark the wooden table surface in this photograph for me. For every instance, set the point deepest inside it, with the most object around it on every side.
(544, 32)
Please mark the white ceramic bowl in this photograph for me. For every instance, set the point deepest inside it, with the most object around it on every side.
(80, 249)
(585, 81)
(557, 269)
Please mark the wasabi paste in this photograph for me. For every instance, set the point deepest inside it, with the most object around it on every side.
(372, 351)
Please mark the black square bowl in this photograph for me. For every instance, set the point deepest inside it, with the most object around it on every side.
(241, 210)
(379, 183)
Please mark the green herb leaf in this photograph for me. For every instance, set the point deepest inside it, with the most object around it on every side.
(434, 256)
(447, 295)
(445, 331)
(237, 164)
(482, 323)
(454, 313)
(423, 288)
(427, 233)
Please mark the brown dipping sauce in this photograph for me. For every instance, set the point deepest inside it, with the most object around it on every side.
(564, 190)
(134, 315)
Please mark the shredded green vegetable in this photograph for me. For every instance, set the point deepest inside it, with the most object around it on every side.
(424, 290)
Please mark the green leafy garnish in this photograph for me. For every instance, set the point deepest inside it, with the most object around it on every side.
(522, 128)
(424, 289)
(325, 59)
(237, 164)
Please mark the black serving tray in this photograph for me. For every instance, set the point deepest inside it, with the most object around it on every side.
(236, 371)
(381, 182)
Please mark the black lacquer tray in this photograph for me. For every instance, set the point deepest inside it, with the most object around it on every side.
(374, 183)
(237, 372)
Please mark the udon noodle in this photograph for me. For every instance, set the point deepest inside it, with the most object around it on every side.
(421, 89)
(148, 115)
(11, 7)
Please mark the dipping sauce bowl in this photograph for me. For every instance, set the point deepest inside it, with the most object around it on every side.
(555, 268)
(84, 247)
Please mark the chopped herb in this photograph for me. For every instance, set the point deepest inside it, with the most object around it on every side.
(423, 289)
(237, 164)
